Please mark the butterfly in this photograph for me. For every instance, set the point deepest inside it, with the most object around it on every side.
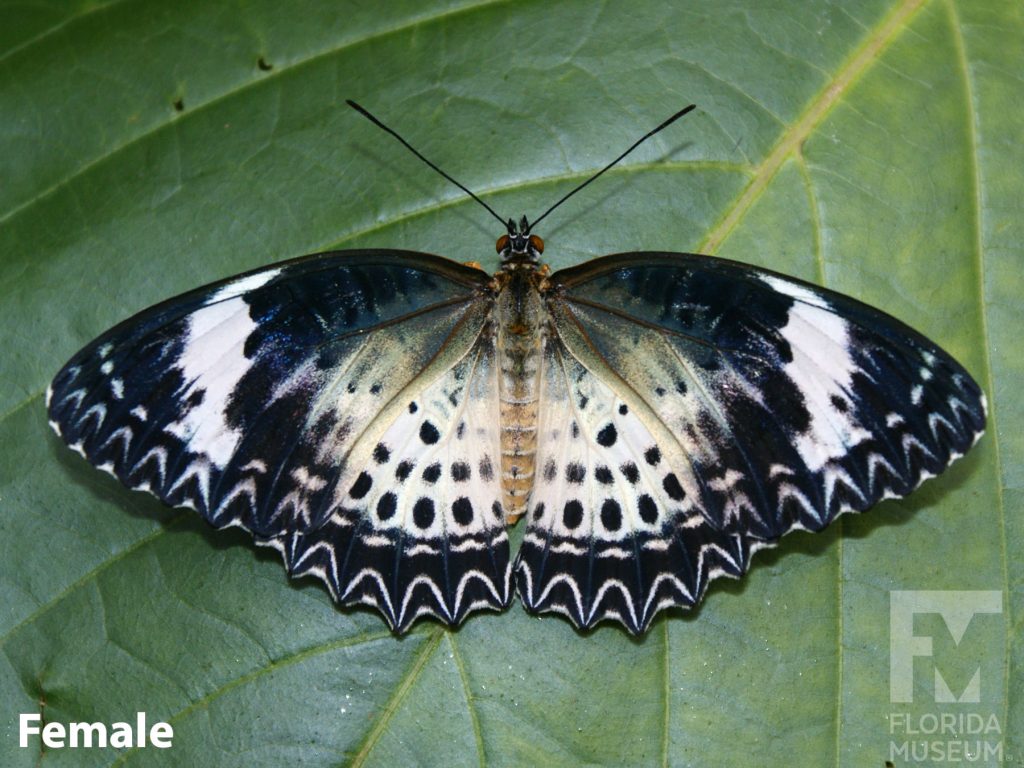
(381, 417)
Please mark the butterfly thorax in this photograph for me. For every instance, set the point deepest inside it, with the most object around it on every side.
(520, 320)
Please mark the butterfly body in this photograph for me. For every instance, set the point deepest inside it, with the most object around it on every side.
(520, 320)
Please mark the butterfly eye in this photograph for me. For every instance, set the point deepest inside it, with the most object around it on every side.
(537, 244)
(502, 243)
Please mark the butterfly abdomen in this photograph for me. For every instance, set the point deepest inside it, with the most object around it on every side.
(520, 323)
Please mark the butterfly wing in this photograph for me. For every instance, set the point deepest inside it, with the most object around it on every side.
(289, 400)
(712, 408)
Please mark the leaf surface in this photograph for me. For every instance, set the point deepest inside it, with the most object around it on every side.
(150, 148)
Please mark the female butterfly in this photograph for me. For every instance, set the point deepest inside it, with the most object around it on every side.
(380, 417)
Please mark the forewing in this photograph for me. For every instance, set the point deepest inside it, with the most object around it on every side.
(259, 402)
(769, 404)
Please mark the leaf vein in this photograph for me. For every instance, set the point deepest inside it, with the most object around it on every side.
(979, 264)
(419, 662)
(805, 124)
(90, 575)
(232, 92)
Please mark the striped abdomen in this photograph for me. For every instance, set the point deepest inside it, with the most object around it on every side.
(520, 341)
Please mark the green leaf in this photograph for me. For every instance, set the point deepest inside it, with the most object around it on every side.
(149, 148)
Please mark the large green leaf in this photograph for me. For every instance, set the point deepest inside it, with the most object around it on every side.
(150, 147)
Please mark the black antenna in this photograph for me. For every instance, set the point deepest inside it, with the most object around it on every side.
(636, 144)
(365, 113)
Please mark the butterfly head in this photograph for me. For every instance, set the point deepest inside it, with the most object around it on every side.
(519, 245)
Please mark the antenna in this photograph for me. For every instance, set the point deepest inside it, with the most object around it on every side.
(365, 113)
(635, 144)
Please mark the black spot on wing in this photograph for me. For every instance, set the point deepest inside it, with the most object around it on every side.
(574, 473)
(361, 486)
(673, 488)
(428, 433)
(607, 436)
(386, 506)
(462, 510)
(423, 512)
(648, 509)
(572, 514)
(611, 515)
(486, 469)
